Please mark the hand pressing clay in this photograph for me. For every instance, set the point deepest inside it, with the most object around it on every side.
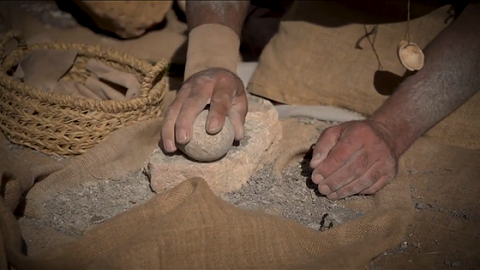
(205, 147)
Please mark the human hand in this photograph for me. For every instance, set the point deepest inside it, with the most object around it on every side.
(356, 157)
(220, 88)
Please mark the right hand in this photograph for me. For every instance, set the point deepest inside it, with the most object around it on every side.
(220, 88)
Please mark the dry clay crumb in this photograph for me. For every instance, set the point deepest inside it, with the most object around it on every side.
(294, 197)
(73, 211)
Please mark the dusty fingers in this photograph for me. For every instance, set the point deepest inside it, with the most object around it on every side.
(228, 99)
(359, 162)
(220, 88)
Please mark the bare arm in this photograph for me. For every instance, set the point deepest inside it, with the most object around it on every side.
(210, 78)
(228, 13)
(448, 79)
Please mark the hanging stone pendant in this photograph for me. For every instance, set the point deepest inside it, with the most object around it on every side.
(410, 55)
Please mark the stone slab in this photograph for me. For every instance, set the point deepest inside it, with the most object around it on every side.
(263, 132)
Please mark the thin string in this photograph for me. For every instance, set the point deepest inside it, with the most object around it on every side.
(407, 33)
(372, 43)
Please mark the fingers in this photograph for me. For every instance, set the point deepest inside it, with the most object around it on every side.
(226, 96)
(220, 104)
(238, 113)
(381, 183)
(358, 164)
(325, 143)
(338, 155)
(374, 175)
(227, 102)
(193, 104)
(168, 127)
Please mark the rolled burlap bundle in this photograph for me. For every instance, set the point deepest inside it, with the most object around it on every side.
(126, 19)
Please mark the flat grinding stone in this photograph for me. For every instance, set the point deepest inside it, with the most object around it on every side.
(263, 131)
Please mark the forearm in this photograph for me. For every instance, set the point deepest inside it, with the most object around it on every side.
(214, 37)
(228, 13)
(447, 80)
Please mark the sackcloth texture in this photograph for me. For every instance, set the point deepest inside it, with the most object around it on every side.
(343, 53)
(190, 227)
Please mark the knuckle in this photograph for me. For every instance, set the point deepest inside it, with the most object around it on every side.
(331, 130)
(364, 129)
(347, 141)
(321, 170)
(181, 122)
(334, 184)
(361, 162)
(220, 96)
(339, 156)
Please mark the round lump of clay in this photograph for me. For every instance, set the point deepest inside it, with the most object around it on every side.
(205, 147)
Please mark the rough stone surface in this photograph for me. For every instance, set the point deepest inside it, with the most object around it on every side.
(292, 195)
(127, 19)
(263, 131)
(205, 147)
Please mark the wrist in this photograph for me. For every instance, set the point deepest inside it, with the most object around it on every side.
(398, 135)
(212, 46)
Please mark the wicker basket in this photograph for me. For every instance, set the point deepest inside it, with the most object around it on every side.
(65, 125)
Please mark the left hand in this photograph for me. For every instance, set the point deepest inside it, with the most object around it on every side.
(355, 157)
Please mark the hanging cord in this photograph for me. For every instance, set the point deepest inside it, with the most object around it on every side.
(407, 33)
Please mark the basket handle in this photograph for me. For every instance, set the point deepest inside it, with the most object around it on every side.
(152, 74)
(14, 34)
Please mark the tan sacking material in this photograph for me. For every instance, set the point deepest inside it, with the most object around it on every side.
(43, 69)
(189, 220)
(112, 75)
(211, 46)
(127, 19)
(343, 53)
(188, 226)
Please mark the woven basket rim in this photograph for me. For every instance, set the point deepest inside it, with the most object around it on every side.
(150, 93)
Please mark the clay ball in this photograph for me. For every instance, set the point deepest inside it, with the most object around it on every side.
(205, 147)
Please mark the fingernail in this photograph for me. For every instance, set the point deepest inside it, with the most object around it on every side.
(325, 190)
(333, 196)
(317, 178)
(315, 160)
(181, 136)
(169, 146)
(212, 126)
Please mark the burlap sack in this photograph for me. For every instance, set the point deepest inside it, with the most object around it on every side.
(127, 19)
(188, 221)
(188, 226)
(343, 53)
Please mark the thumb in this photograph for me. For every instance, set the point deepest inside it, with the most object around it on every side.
(327, 140)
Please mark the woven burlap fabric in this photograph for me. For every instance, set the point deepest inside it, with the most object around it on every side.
(186, 222)
(321, 56)
(190, 227)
